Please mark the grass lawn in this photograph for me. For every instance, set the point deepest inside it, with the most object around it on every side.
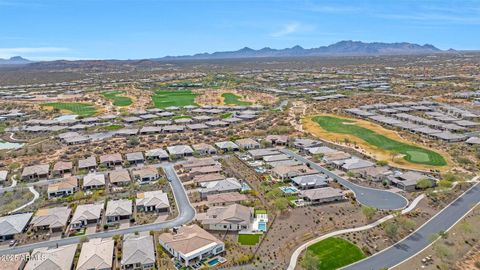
(82, 109)
(226, 115)
(232, 99)
(413, 154)
(249, 239)
(117, 99)
(112, 127)
(260, 211)
(334, 253)
(166, 98)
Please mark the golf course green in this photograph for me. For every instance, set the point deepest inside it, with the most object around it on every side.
(82, 109)
(232, 99)
(117, 99)
(412, 153)
(334, 253)
(166, 98)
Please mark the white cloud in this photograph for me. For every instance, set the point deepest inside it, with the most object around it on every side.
(291, 28)
(32, 51)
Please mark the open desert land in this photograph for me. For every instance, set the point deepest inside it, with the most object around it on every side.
(377, 142)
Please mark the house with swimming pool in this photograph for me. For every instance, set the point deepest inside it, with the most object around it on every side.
(191, 245)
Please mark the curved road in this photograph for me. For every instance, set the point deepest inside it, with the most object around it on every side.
(419, 240)
(186, 214)
(380, 199)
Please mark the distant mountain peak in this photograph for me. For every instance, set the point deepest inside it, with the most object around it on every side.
(341, 48)
(14, 60)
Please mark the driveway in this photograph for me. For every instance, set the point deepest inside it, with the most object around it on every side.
(186, 214)
(380, 199)
(420, 239)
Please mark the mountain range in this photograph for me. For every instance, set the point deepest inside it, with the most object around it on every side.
(15, 60)
(342, 48)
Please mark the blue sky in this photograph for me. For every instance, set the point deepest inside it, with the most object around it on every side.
(122, 29)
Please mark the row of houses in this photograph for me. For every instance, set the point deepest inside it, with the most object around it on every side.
(138, 252)
(62, 219)
(43, 171)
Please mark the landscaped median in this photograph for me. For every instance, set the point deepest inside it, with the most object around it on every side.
(384, 144)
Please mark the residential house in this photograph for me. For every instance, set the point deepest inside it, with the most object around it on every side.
(12, 225)
(408, 181)
(146, 174)
(260, 153)
(67, 186)
(310, 181)
(234, 217)
(277, 139)
(179, 151)
(35, 172)
(58, 258)
(89, 163)
(118, 210)
(222, 199)
(86, 214)
(355, 163)
(153, 201)
(376, 173)
(201, 178)
(322, 195)
(288, 172)
(96, 254)
(222, 186)
(138, 252)
(119, 177)
(304, 144)
(135, 158)
(62, 167)
(247, 144)
(191, 244)
(93, 181)
(111, 160)
(204, 149)
(157, 153)
(53, 219)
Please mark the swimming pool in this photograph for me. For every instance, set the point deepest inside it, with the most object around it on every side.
(289, 189)
(213, 262)
(262, 226)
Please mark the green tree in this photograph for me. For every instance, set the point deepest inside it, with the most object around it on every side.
(444, 184)
(281, 204)
(424, 183)
(382, 163)
(368, 212)
(390, 229)
(310, 261)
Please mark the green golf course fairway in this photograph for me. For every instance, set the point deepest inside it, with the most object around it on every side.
(232, 99)
(166, 98)
(82, 109)
(117, 99)
(413, 154)
(334, 253)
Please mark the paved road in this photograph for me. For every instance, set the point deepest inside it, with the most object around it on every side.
(186, 214)
(419, 240)
(380, 199)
